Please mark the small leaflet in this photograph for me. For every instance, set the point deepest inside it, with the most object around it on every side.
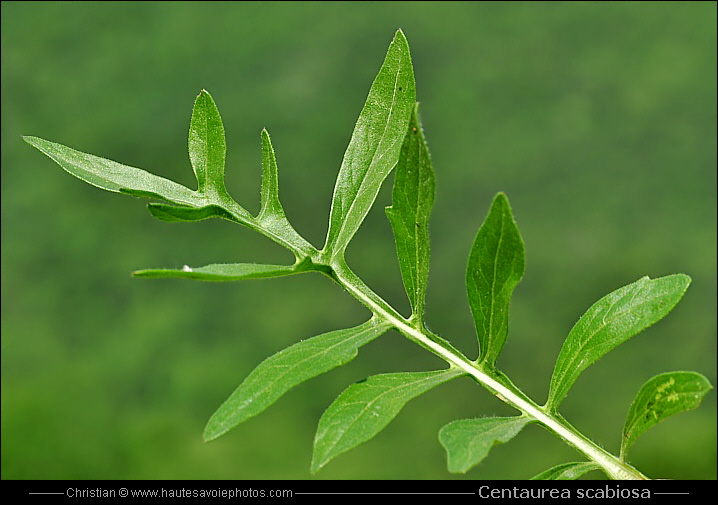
(611, 321)
(496, 265)
(367, 407)
(207, 146)
(270, 205)
(413, 196)
(468, 441)
(221, 272)
(661, 397)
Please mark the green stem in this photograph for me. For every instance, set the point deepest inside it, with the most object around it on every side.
(611, 465)
(339, 272)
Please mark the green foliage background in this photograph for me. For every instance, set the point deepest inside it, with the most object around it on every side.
(598, 121)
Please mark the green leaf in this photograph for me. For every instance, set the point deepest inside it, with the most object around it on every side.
(206, 149)
(661, 397)
(207, 146)
(468, 441)
(412, 199)
(496, 264)
(270, 185)
(113, 176)
(279, 373)
(271, 214)
(374, 147)
(175, 214)
(221, 272)
(611, 321)
(365, 408)
(567, 471)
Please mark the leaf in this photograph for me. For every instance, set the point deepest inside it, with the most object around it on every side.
(610, 321)
(271, 220)
(366, 408)
(206, 150)
(271, 213)
(659, 398)
(207, 146)
(113, 176)
(270, 205)
(374, 147)
(567, 471)
(496, 264)
(173, 213)
(412, 199)
(468, 441)
(221, 272)
(279, 373)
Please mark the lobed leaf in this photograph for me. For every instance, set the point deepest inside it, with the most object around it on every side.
(207, 147)
(206, 150)
(221, 272)
(413, 196)
(662, 396)
(374, 147)
(113, 176)
(567, 471)
(610, 321)
(496, 265)
(468, 441)
(366, 408)
(284, 370)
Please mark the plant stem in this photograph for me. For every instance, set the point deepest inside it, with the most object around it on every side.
(611, 465)
(339, 272)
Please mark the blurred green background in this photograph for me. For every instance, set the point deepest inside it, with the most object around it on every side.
(597, 120)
